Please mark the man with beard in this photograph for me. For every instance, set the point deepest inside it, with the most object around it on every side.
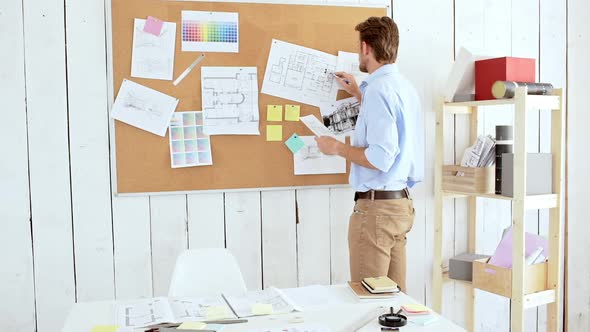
(385, 155)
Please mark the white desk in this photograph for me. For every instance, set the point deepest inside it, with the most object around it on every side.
(343, 310)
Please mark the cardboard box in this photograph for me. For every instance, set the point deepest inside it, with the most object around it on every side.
(461, 266)
(539, 178)
(479, 180)
(498, 280)
(487, 72)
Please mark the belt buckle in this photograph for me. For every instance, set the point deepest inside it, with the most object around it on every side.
(372, 195)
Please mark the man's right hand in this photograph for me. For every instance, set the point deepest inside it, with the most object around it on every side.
(349, 84)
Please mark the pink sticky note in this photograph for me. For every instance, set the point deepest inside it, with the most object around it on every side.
(153, 26)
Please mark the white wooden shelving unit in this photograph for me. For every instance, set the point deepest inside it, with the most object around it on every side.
(520, 301)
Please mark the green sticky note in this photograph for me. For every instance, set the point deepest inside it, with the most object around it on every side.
(295, 143)
(274, 133)
(292, 112)
(192, 326)
(262, 309)
(105, 328)
(274, 113)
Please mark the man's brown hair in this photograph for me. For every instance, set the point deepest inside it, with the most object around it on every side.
(382, 34)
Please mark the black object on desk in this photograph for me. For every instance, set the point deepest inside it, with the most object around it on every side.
(393, 319)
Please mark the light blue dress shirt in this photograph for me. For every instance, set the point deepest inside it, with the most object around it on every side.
(389, 126)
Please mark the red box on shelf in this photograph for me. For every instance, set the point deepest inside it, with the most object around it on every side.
(487, 72)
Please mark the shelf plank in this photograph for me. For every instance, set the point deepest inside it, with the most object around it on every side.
(533, 202)
(539, 298)
(533, 102)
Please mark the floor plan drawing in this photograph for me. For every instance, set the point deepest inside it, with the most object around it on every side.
(230, 100)
(143, 313)
(301, 74)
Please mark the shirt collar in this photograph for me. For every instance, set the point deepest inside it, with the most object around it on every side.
(383, 70)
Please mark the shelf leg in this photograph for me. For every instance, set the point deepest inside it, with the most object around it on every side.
(470, 296)
(437, 259)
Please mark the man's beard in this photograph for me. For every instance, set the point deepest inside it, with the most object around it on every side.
(363, 68)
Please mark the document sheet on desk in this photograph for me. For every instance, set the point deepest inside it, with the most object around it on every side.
(299, 328)
(244, 306)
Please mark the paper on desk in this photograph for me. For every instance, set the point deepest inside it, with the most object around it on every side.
(316, 127)
(105, 328)
(144, 108)
(298, 328)
(153, 54)
(307, 297)
(242, 305)
(349, 63)
(142, 313)
(191, 326)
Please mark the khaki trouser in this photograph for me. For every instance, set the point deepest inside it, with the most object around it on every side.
(377, 239)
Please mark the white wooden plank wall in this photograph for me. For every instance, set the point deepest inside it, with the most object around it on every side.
(578, 275)
(66, 238)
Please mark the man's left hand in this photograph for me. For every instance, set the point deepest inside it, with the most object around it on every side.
(329, 145)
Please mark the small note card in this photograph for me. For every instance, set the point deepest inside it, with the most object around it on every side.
(294, 143)
(153, 26)
(216, 312)
(292, 112)
(105, 328)
(274, 133)
(192, 326)
(259, 309)
(274, 113)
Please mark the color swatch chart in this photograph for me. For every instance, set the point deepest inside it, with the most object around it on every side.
(189, 146)
(210, 31)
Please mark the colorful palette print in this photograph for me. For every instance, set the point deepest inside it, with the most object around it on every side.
(210, 31)
(189, 146)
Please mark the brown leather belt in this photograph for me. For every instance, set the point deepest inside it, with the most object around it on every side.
(379, 194)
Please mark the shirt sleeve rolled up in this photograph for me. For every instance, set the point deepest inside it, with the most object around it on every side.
(382, 133)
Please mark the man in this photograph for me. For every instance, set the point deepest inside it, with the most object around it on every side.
(385, 155)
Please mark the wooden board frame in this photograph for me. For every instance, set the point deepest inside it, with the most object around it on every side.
(262, 158)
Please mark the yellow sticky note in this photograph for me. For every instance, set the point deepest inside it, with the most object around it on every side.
(192, 326)
(262, 309)
(292, 112)
(105, 328)
(274, 113)
(274, 133)
(216, 312)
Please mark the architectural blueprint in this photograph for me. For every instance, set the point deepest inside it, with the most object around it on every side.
(316, 127)
(147, 312)
(243, 305)
(309, 160)
(153, 56)
(349, 63)
(301, 74)
(230, 100)
(143, 107)
(340, 116)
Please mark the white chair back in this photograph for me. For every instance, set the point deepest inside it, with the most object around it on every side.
(206, 273)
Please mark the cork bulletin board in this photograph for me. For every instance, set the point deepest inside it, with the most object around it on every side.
(239, 162)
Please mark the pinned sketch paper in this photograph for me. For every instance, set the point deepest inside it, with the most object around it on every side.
(189, 146)
(274, 113)
(210, 31)
(292, 112)
(153, 55)
(316, 127)
(154, 26)
(144, 108)
(309, 160)
(301, 74)
(274, 133)
(341, 116)
(349, 63)
(294, 143)
(230, 100)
